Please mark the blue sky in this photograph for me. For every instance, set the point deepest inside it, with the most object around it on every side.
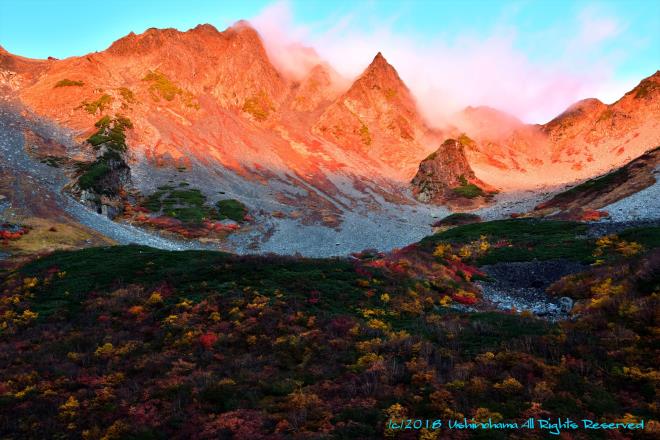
(590, 48)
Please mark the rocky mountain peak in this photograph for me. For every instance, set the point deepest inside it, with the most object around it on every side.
(441, 172)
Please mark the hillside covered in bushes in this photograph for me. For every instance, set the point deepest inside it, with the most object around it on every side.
(130, 342)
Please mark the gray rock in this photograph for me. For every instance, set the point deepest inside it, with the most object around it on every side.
(566, 304)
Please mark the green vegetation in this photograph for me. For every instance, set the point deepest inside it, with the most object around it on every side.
(187, 205)
(68, 83)
(127, 94)
(591, 186)
(646, 88)
(53, 161)
(458, 218)
(231, 209)
(364, 134)
(195, 273)
(162, 87)
(259, 106)
(648, 236)
(97, 106)
(606, 115)
(522, 240)
(133, 342)
(94, 174)
(111, 133)
(467, 190)
(466, 141)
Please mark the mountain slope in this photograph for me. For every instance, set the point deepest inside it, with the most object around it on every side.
(602, 191)
(589, 138)
(378, 117)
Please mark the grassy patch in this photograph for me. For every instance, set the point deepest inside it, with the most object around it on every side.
(185, 204)
(458, 218)
(259, 106)
(591, 186)
(127, 94)
(99, 105)
(645, 88)
(192, 272)
(649, 236)
(46, 235)
(162, 87)
(68, 83)
(490, 331)
(231, 209)
(469, 191)
(522, 240)
(365, 135)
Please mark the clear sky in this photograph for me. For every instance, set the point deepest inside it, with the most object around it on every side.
(522, 47)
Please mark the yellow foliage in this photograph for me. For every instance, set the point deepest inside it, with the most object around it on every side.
(465, 252)
(370, 345)
(628, 248)
(29, 283)
(105, 350)
(509, 385)
(367, 360)
(171, 319)
(377, 324)
(24, 392)
(71, 404)
(606, 288)
(155, 298)
(484, 245)
(483, 414)
(441, 250)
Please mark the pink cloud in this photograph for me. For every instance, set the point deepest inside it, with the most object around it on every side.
(445, 77)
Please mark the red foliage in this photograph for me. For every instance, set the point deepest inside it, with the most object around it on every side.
(592, 215)
(208, 339)
(464, 299)
(314, 297)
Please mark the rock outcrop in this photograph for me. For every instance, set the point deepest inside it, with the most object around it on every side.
(442, 172)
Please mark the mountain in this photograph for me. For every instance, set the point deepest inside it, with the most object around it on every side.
(587, 139)
(378, 117)
(208, 109)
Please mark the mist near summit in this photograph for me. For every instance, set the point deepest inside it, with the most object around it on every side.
(446, 73)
